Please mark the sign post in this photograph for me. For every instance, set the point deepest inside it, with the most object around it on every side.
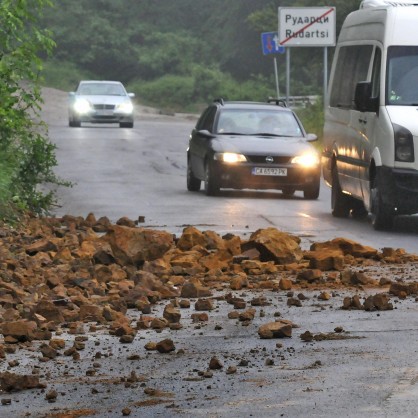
(271, 45)
(308, 26)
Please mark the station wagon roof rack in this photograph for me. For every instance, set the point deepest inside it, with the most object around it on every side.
(219, 100)
(279, 102)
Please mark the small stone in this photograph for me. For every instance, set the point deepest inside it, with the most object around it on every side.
(126, 339)
(51, 396)
(215, 364)
(126, 412)
(165, 346)
(294, 302)
(306, 336)
(231, 370)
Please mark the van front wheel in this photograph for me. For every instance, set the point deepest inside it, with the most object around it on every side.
(383, 215)
(340, 207)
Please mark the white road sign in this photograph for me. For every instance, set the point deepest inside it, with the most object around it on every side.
(307, 26)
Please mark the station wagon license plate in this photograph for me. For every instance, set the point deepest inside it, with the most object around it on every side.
(269, 171)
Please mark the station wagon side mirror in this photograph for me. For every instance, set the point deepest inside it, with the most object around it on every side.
(362, 97)
(205, 133)
(71, 93)
(131, 95)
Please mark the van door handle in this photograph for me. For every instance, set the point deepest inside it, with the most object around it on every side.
(363, 121)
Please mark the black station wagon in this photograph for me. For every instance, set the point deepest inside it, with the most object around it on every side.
(252, 145)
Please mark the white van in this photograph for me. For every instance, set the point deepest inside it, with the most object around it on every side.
(371, 116)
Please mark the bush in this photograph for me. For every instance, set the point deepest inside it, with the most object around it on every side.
(190, 93)
(170, 92)
(63, 75)
(27, 155)
(312, 117)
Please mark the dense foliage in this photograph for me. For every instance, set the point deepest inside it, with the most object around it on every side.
(27, 157)
(181, 53)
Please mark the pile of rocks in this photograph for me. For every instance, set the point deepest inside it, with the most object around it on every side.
(66, 272)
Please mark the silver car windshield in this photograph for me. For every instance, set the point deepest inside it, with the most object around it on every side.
(253, 122)
(100, 89)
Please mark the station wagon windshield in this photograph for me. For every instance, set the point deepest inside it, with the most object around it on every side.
(251, 122)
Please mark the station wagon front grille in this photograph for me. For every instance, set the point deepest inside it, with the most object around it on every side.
(261, 159)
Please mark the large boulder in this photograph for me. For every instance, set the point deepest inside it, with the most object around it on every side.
(278, 329)
(134, 246)
(19, 330)
(274, 245)
(346, 246)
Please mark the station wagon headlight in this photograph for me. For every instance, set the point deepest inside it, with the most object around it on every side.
(230, 157)
(308, 160)
(82, 106)
(125, 107)
(404, 144)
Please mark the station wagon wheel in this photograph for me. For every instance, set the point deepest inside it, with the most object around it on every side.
(193, 183)
(126, 125)
(383, 215)
(339, 201)
(312, 192)
(288, 191)
(74, 123)
(211, 183)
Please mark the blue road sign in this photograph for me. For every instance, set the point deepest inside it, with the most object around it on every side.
(271, 43)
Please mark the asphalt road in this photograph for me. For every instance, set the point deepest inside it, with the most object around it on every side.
(142, 172)
(372, 372)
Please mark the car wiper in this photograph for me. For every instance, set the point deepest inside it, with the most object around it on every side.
(231, 133)
(275, 135)
(266, 134)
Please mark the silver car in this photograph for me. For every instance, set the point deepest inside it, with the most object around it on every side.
(101, 102)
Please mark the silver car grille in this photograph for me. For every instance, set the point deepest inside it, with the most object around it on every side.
(104, 106)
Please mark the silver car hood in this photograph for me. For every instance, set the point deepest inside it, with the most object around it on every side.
(103, 99)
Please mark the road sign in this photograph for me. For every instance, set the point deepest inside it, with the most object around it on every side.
(307, 26)
(270, 43)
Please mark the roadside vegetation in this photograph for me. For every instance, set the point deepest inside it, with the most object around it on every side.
(212, 50)
(27, 157)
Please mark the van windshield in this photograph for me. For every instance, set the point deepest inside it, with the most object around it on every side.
(402, 76)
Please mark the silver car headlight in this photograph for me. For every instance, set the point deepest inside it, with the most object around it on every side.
(125, 107)
(308, 160)
(230, 157)
(82, 106)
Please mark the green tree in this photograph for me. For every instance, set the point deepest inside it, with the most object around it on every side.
(27, 156)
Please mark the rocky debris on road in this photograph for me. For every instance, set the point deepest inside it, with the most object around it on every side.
(76, 276)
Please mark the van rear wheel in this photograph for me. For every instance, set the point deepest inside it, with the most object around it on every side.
(340, 207)
(358, 211)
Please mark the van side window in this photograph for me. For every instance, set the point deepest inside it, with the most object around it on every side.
(352, 67)
(377, 62)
